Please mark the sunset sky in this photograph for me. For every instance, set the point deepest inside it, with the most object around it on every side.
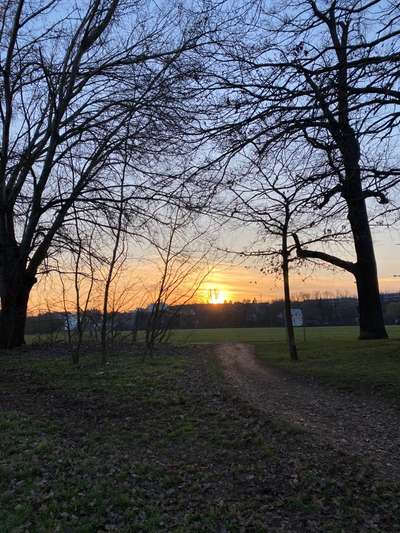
(234, 281)
(239, 282)
(222, 155)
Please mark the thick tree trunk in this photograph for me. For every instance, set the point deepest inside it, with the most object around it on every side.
(364, 269)
(370, 307)
(15, 288)
(14, 304)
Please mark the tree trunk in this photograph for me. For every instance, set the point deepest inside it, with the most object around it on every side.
(287, 301)
(369, 302)
(372, 325)
(14, 305)
(15, 288)
(103, 336)
(370, 307)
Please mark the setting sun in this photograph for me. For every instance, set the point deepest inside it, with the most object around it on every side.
(217, 296)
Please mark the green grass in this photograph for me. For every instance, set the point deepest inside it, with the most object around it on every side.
(251, 335)
(271, 335)
(333, 354)
(372, 367)
(187, 336)
(159, 445)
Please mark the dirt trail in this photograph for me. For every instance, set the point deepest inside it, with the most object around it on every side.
(360, 425)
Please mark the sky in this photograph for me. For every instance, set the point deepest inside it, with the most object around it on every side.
(231, 281)
(245, 281)
(238, 283)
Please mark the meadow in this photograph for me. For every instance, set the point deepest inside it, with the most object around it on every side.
(161, 445)
(271, 335)
(332, 354)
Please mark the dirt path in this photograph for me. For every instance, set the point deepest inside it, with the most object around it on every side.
(360, 425)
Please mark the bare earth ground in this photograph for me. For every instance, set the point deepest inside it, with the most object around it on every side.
(360, 425)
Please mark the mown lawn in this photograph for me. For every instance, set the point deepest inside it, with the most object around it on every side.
(252, 335)
(332, 354)
(160, 445)
(372, 367)
(267, 335)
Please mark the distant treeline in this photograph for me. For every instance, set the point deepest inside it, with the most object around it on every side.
(316, 312)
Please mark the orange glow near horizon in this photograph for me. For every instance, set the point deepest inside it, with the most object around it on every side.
(226, 283)
(218, 296)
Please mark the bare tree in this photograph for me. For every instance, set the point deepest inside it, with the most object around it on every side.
(271, 196)
(66, 311)
(83, 258)
(117, 223)
(182, 259)
(77, 81)
(322, 77)
(78, 270)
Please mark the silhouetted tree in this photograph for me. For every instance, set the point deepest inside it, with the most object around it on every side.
(270, 194)
(78, 82)
(183, 259)
(321, 77)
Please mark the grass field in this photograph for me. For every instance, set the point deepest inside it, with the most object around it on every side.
(333, 354)
(251, 335)
(271, 335)
(160, 446)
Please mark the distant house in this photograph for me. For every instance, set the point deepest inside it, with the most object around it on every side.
(71, 322)
(390, 297)
(152, 307)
